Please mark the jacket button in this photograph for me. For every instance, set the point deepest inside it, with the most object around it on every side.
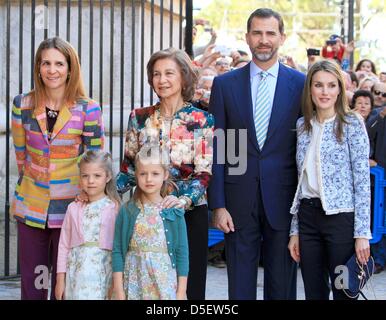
(168, 242)
(174, 265)
(166, 230)
(171, 253)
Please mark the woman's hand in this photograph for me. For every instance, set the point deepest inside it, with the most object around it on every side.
(293, 247)
(82, 197)
(60, 286)
(362, 250)
(172, 202)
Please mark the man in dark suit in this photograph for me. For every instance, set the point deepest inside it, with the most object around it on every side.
(263, 100)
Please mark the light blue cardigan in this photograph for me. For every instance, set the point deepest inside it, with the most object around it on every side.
(343, 170)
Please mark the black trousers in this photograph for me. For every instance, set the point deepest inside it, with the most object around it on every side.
(325, 241)
(197, 227)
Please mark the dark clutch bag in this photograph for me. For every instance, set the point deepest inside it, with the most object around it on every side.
(358, 275)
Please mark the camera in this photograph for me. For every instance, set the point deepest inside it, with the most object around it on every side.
(313, 52)
(208, 29)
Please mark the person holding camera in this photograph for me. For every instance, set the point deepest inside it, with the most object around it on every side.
(198, 50)
(204, 86)
(334, 48)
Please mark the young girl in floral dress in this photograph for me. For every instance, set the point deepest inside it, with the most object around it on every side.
(150, 252)
(86, 239)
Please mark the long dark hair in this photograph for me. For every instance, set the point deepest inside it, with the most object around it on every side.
(359, 65)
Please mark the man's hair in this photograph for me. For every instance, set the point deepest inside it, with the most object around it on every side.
(266, 13)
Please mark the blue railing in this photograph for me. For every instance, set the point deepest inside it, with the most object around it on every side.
(379, 219)
(215, 236)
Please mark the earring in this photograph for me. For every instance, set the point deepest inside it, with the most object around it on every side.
(39, 75)
(69, 76)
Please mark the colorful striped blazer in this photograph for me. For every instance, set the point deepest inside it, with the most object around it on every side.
(48, 171)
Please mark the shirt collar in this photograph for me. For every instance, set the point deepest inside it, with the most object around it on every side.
(314, 121)
(255, 70)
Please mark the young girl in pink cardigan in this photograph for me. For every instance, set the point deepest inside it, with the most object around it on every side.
(86, 239)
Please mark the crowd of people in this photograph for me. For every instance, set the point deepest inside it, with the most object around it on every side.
(304, 196)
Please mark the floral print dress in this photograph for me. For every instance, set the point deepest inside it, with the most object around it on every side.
(149, 274)
(188, 138)
(89, 270)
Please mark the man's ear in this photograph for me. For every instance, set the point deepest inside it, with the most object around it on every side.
(283, 38)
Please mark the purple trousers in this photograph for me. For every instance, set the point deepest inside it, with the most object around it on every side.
(38, 253)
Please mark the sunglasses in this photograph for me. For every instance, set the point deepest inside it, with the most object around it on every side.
(377, 93)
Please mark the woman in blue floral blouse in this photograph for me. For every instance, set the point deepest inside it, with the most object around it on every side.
(187, 133)
(331, 209)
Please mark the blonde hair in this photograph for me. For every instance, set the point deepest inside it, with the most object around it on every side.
(74, 87)
(342, 108)
(154, 155)
(105, 161)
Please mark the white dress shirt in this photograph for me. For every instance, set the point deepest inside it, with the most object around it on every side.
(310, 187)
(273, 73)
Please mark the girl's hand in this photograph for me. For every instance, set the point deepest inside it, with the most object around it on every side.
(362, 250)
(110, 293)
(181, 295)
(60, 286)
(293, 247)
(172, 202)
(119, 295)
(82, 197)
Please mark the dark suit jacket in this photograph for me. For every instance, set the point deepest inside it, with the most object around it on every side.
(274, 167)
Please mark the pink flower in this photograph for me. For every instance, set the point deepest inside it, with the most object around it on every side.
(180, 133)
(151, 220)
(197, 116)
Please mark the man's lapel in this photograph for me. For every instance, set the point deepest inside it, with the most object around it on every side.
(243, 101)
(282, 102)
